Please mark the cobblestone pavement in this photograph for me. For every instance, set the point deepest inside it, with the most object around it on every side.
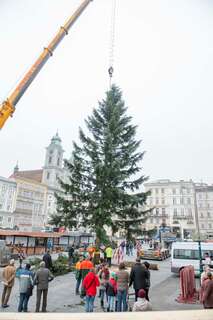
(62, 298)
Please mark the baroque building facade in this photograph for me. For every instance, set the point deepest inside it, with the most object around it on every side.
(7, 202)
(36, 189)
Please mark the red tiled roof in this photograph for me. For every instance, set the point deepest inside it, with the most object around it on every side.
(35, 175)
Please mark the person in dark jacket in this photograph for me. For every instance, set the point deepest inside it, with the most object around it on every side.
(48, 260)
(138, 276)
(111, 291)
(71, 251)
(42, 279)
(147, 265)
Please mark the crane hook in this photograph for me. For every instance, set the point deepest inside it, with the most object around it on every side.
(110, 71)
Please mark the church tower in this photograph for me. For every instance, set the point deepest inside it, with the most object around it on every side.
(53, 167)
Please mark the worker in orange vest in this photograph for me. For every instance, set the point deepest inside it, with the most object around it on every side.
(78, 274)
(86, 265)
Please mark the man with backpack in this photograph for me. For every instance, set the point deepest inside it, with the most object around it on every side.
(25, 287)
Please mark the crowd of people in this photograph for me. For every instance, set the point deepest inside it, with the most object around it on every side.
(95, 279)
(113, 285)
(27, 280)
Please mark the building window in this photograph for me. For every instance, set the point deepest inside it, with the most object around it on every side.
(163, 211)
(151, 220)
(174, 200)
(50, 160)
(162, 201)
(162, 190)
(1, 205)
(190, 212)
(200, 205)
(208, 214)
(9, 219)
(156, 201)
(157, 220)
(200, 196)
(175, 212)
(202, 226)
(208, 205)
(201, 214)
(210, 225)
(174, 191)
(156, 191)
(48, 175)
(58, 162)
(181, 200)
(157, 211)
(188, 200)
(1, 219)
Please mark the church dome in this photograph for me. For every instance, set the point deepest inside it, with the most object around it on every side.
(56, 139)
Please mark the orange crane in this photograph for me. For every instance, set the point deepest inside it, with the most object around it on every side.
(7, 108)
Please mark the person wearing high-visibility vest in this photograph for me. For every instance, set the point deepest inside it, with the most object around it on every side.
(109, 254)
(78, 274)
(86, 266)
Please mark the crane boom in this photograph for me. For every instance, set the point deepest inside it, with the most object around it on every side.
(7, 108)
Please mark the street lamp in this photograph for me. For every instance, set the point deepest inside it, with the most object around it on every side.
(198, 231)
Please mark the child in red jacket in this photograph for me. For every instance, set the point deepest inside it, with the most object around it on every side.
(111, 291)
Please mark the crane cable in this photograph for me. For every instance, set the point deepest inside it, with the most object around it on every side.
(112, 42)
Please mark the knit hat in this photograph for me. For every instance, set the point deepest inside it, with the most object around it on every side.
(141, 293)
(147, 264)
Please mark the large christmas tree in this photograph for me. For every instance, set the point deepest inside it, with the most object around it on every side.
(105, 173)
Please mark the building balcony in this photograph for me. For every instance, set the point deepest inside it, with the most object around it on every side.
(182, 217)
(154, 215)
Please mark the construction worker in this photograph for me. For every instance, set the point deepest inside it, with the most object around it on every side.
(78, 274)
(85, 267)
(109, 253)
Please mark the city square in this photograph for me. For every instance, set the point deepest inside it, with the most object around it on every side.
(106, 184)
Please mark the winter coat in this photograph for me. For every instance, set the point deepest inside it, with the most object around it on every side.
(25, 280)
(42, 278)
(90, 283)
(148, 284)
(139, 276)
(208, 294)
(9, 274)
(142, 305)
(48, 260)
(111, 288)
(122, 280)
(103, 277)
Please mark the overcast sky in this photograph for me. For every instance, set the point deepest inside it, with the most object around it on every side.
(163, 64)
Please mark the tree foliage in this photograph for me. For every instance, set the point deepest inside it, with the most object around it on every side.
(104, 187)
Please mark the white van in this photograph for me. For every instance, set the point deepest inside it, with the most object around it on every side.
(187, 253)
